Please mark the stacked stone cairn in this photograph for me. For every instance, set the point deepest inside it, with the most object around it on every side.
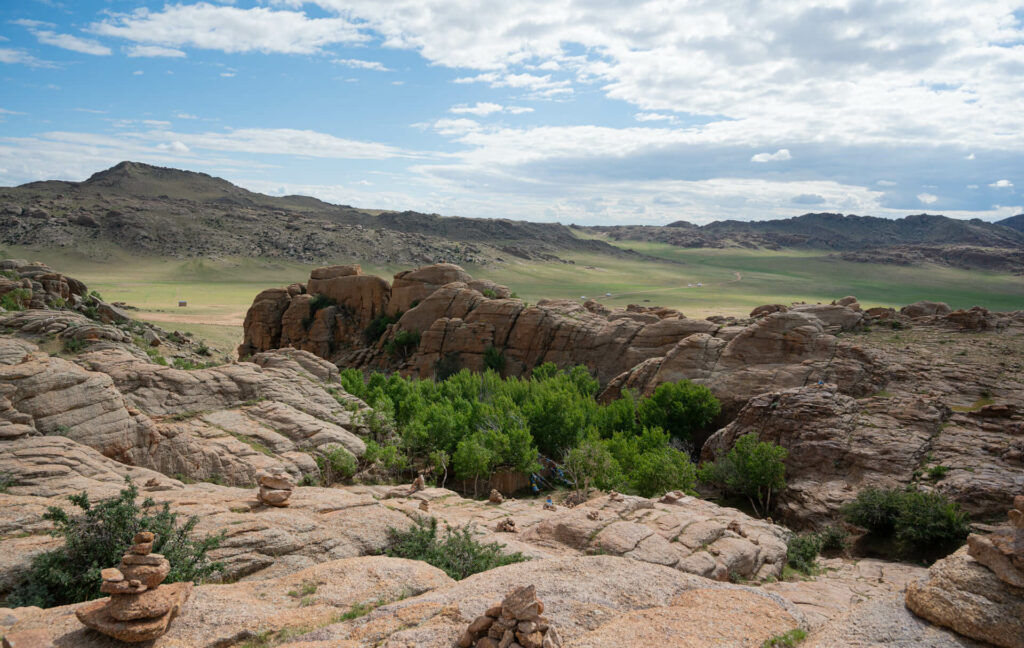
(275, 488)
(495, 497)
(138, 609)
(506, 525)
(516, 622)
(424, 505)
(1003, 550)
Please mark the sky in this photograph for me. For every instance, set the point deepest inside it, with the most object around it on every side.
(594, 112)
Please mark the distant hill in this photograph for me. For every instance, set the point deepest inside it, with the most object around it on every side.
(1013, 222)
(147, 209)
(829, 232)
(912, 240)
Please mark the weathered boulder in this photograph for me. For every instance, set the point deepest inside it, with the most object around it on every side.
(963, 595)
(410, 286)
(925, 309)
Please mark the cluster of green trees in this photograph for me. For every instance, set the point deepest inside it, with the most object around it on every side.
(470, 424)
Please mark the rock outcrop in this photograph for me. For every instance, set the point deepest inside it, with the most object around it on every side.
(223, 423)
(458, 319)
(318, 524)
(138, 609)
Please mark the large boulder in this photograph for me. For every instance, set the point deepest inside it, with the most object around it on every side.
(963, 595)
(413, 286)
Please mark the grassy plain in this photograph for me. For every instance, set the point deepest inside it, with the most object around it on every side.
(218, 292)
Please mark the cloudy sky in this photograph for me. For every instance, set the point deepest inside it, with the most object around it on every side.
(586, 111)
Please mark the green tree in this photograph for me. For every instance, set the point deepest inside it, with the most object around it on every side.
(680, 408)
(588, 463)
(754, 469)
(472, 460)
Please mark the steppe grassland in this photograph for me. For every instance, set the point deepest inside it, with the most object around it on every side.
(218, 292)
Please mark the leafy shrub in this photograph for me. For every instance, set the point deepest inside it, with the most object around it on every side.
(16, 300)
(447, 366)
(834, 538)
(680, 408)
(202, 349)
(922, 526)
(936, 473)
(494, 359)
(588, 462)
(73, 345)
(378, 326)
(874, 509)
(96, 539)
(929, 526)
(802, 550)
(403, 344)
(336, 464)
(387, 459)
(6, 481)
(753, 469)
(457, 553)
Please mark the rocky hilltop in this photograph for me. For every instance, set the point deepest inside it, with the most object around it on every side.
(143, 209)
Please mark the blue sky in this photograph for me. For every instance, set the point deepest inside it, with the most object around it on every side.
(598, 112)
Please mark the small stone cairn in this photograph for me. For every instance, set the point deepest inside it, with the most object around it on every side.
(1002, 551)
(506, 525)
(495, 497)
(138, 609)
(516, 622)
(424, 505)
(275, 488)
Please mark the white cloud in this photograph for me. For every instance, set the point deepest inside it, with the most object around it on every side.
(360, 64)
(227, 74)
(927, 198)
(456, 127)
(484, 108)
(651, 116)
(543, 86)
(176, 146)
(15, 56)
(972, 186)
(4, 111)
(886, 183)
(1002, 184)
(969, 157)
(138, 73)
(230, 29)
(778, 156)
(154, 51)
(73, 43)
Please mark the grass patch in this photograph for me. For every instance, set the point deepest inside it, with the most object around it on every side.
(973, 407)
(786, 640)
(252, 443)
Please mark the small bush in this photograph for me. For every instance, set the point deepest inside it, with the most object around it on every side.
(6, 481)
(16, 300)
(336, 464)
(202, 349)
(834, 538)
(378, 326)
(921, 526)
(937, 473)
(680, 408)
(457, 553)
(403, 344)
(802, 550)
(96, 539)
(447, 366)
(494, 359)
(489, 294)
(73, 345)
